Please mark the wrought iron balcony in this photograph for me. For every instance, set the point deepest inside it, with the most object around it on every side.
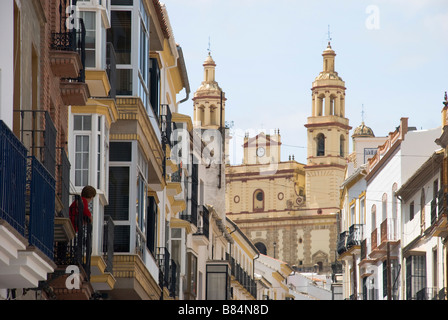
(38, 133)
(163, 261)
(13, 168)
(177, 176)
(388, 230)
(430, 294)
(70, 36)
(204, 222)
(108, 243)
(354, 235)
(79, 250)
(342, 243)
(41, 202)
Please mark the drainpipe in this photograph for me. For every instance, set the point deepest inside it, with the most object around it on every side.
(184, 74)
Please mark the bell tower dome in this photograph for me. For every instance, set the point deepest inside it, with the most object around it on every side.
(209, 99)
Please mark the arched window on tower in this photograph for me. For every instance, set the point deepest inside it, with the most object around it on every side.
(320, 143)
(202, 114)
(341, 145)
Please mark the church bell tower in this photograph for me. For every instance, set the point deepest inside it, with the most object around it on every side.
(328, 137)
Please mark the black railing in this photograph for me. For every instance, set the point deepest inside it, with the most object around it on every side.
(78, 251)
(363, 249)
(433, 210)
(342, 242)
(108, 242)
(177, 176)
(203, 229)
(70, 35)
(166, 124)
(38, 131)
(13, 168)
(163, 261)
(64, 186)
(354, 235)
(173, 288)
(111, 69)
(441, 201)
(41, 191)
(428, 294)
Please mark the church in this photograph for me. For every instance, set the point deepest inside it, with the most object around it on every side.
(289, 210)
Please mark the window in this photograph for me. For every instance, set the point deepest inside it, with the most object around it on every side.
(141, 204)
(362, 206)
(120, 35)
(151, 231)
(384, 206)
(352, 214)
(90, 25)
(154, 91)
(99, 153)
(120, 151)
(192, 271)
(341, 145)
(261, 247)
(320, 145)
(411, 211)
(218, 284)
(373, 217)
(258, 200)
(82, 125)
(122, 2)
(118, 207)
(415, 276)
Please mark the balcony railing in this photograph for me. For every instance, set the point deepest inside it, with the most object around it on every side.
(38, 133)
(79, 250)
(13, 168)
(430, 294)
(70, 37)
(177, 176)
(163, 261)
(342, 242)
(388, 230)
(433, 210)
(41, 193)
(173, 287)
(374, 238)
(203, 227)
(108, 242)
(354, 235)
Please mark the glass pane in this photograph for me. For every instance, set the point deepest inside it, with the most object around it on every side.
(216, 286)
(85, 143)
(77, 177)
(122, 2)
(124, 82)
(77, 122)
(120, 151)
(120, 35)
(118, 207)
(87, 123)
(85, 178)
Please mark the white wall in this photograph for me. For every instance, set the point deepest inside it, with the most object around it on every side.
(6, 61)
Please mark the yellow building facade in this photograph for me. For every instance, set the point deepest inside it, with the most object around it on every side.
(288, 209)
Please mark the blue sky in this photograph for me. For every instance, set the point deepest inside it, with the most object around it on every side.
(392, 55)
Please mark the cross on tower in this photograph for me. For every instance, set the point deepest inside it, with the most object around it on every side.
(362, 113)
(208, 49)
(329, 34)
